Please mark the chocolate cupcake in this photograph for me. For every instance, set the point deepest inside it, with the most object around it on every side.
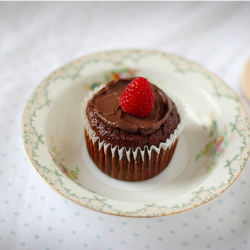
(134, 145)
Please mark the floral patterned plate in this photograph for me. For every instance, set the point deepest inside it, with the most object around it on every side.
(212, 150)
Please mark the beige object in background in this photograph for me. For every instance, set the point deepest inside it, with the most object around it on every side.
(245, 80)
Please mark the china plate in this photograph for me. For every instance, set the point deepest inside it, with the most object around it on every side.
(211, 153)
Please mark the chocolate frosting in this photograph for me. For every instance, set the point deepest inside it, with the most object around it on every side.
(106, 103)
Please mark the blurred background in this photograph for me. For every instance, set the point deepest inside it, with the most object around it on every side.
(41, 36)
(38, 37)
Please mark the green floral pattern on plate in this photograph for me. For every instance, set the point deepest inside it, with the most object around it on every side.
(216, 146)
(57, 159)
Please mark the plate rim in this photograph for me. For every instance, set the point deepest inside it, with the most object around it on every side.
(142, 51)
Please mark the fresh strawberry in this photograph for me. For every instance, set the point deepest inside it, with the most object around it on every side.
(138, 98)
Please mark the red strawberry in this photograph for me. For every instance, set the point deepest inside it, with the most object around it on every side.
(138, 98)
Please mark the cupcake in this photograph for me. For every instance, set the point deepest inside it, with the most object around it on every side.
(132, 128)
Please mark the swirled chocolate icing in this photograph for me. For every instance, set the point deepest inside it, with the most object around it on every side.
(106, 103)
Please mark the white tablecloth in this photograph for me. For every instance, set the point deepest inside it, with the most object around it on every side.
(37, 38)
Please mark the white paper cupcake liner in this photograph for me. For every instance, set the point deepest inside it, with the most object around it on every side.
(130, 152)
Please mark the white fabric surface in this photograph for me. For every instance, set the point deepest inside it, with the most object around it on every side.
(37, 38)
